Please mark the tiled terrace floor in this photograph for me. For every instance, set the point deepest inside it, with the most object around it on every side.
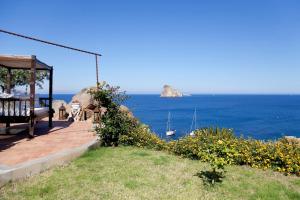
(64, 135)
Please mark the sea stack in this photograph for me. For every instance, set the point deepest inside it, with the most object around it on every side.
(168, 91)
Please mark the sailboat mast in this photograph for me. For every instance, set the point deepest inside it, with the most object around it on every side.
(168, 122)
(194, 121)
(195, 118)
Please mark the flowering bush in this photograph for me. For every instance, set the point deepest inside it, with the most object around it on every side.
(223, 146)
(141, 136)
(220, 147)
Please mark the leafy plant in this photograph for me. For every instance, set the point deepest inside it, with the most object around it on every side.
(114, 122)
(221, 147)
(141, 136)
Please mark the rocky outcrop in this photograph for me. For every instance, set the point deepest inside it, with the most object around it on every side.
(168, 91)
(293, 139)
(86, 101)
(126, 110)
(84, 97)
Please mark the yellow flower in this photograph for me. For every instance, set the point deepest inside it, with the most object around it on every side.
(220, 142)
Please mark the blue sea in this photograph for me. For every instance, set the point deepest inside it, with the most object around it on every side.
(256, 116)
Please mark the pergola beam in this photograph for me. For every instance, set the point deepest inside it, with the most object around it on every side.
(51, 43)
(58, 45)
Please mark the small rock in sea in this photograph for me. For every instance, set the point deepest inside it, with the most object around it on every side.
(168, 91)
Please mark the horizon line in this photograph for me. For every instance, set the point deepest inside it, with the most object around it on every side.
(185, 95)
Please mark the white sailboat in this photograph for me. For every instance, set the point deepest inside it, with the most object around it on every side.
(169, 132)
(194, 124)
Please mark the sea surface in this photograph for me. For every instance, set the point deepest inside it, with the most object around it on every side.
(257, 116)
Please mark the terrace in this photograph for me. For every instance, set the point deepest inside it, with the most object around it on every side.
(21, 157)
(31, 141)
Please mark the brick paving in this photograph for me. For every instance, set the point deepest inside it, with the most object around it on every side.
(64, 135)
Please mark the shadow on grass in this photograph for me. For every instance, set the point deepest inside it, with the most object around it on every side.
(210, 178)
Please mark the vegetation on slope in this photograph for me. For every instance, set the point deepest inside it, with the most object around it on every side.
(137, 173)
(220, 147)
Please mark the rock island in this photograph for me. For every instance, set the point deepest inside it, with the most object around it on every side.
(168, 91)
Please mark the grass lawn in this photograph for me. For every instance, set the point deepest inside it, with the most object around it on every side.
(134, 173)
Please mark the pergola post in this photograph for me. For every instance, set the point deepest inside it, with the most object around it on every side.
(50, 96)
(8, 81)
(32, 94)
(97, 72)
(8, 90)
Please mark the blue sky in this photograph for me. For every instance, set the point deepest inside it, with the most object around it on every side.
(196, 46)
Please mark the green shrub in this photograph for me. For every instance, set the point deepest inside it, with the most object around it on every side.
(117, 126)
(212, 145)
(141, 136)
(207, 142)
(114, 123)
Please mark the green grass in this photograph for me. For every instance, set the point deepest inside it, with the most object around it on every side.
(134, 173)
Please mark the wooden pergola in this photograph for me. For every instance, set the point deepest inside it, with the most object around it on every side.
(33, 64)
(61, 46)
(14, 110)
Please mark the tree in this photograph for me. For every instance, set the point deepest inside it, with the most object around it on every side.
(114, 123)
(21, 78)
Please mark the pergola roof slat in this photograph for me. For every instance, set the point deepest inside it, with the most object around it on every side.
(21, 62)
